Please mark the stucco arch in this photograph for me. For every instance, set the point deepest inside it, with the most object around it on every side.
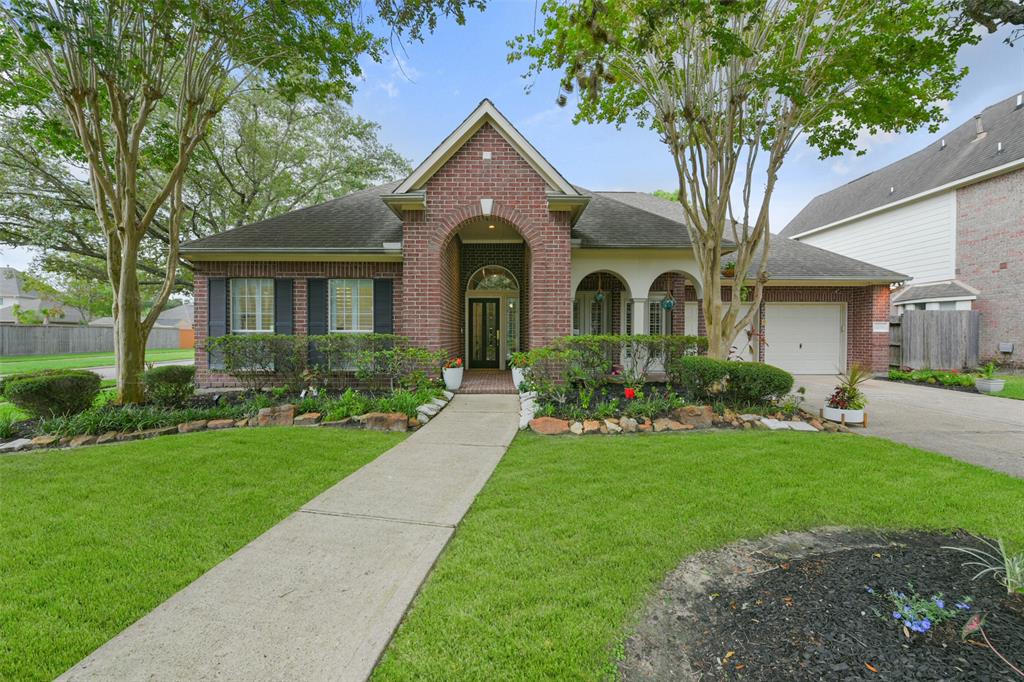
(637, 268)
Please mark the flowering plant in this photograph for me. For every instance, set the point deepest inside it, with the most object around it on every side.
(847, 395)
(630, 393)
(452, 363)
(920, 614)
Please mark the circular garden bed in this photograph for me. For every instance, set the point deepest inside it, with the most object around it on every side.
(831, 604)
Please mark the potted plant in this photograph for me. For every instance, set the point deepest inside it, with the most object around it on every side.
(518, 362)
(986, 381)
(729, 268)
(452, 372)
(846, 404)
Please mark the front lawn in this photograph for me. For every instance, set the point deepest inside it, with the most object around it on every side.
(546, 575)
(31, 363)
(93, 539)
(1014, 387)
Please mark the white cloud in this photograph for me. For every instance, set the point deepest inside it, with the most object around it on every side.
(840, 167)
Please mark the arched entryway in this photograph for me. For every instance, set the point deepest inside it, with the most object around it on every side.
(493, 317)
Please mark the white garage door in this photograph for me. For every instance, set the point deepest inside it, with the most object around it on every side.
(806, 338)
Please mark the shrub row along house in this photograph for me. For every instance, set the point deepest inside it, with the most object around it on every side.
(486, 249)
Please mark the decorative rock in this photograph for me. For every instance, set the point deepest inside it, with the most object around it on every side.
(347, 421)
(158, 431)
(577, 428)
(524, 421)
(191, 427)
(612, 426)
(591, 426)
(384, 421)
(428, 409)
(666, 424)
(549, 426)
(844, 429)
(217, 424)
(775, 424)
(422, 418)
(529, 395)
(830, 427)
(802, 426)
(414, 423)
(816, 423)
(750, 418)
(242, 423)
(82, 439)
(448, 395)
(64, 440)
(307, 419)
(699, 416)
(45, 441)
(108, 437)
(437, 401)
(645, 427)
(15, 445)
(748, 425)
(628, 424)
(279, 415)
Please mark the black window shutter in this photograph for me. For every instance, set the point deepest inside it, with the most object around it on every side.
(283, 307)
(316, 315)
(216, 315)
(383, 306)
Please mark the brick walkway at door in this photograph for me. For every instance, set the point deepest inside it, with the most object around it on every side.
(319, 595)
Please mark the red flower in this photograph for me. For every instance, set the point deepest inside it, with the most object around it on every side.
(630, 393)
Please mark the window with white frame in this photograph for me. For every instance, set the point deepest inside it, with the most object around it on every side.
(252, 305)
(590, 313)
(659, 320)
(351, 305)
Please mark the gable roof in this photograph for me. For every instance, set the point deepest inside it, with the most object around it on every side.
(936, 291)
(484, 113)
(961, 156)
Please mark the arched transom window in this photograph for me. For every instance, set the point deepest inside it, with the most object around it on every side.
(493, 278)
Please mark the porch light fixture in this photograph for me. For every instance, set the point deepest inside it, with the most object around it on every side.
(490, 227)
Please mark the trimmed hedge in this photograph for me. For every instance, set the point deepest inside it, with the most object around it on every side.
(737, 383)
(52, 392)
(699, 378)
(169, 385)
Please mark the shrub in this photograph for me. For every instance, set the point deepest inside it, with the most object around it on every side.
(755, 383)
(52, 392)
(403, 367)
(169, 385)
(699, 378)
(129, 418)
(257, 360)
(335, 353)
(7, 422)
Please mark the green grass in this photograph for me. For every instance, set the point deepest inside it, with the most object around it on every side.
(31, 363)
(92, 540)
(546, 575)
(1014, 387)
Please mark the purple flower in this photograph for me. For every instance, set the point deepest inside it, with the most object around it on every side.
(925, 625)
(897, 615)
(962, 606)
(941, 604)
(870, 591)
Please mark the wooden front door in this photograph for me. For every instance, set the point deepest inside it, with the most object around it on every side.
(484, 333)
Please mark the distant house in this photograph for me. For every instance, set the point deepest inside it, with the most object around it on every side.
(181, 317)
(13, 293)
(951, 216)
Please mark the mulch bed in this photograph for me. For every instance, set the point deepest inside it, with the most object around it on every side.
(962, 389)
(797, 607)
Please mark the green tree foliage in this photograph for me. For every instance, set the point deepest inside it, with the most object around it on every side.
(139, 84)
(731, 86)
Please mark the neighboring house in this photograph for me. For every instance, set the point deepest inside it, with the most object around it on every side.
(951, 216)
(485, 249)
(13, 293)
(182, 317)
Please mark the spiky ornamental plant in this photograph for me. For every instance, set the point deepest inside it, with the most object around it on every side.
(732, 85)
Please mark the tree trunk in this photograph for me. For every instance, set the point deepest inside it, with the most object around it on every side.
(129, 334)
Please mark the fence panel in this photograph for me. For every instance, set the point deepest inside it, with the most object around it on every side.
(52, 339)
(938, 339)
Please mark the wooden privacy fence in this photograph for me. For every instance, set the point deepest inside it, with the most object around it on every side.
(52, 339)
(935, 339)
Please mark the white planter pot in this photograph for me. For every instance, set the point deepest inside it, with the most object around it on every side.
(834, 414)
(452, 377)
(989, 385)
(518, 374)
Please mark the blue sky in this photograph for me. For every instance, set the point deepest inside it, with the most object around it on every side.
(421, 98)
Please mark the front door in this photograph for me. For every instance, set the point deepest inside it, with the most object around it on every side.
(484, 332)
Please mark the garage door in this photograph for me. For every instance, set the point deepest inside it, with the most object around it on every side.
(805, 338)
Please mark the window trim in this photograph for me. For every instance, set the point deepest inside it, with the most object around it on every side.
(332, 303)
(259, 301)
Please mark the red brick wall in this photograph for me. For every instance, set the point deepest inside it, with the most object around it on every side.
(990, 258)
(453, 197)
(299, 272)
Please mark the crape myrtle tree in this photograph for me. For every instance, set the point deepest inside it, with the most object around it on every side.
(731, 85)
(129, 72)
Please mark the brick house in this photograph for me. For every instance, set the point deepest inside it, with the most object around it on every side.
(951, 216)
(485, 249)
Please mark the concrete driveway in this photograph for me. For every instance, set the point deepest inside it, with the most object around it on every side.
(971, 427)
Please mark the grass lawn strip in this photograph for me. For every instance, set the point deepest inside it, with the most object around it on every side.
(91, 541)
(1014, 387)
(547, 573)
(31, 363)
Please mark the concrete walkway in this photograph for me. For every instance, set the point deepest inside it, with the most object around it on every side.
(318, 596)
(110, 371)
(975, 428)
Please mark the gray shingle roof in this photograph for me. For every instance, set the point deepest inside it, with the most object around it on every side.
(920, 292)
(629, 219)
(359, 221)
(965, 154)
(789, 259)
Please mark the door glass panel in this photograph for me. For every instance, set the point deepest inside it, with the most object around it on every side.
(477, 335)
(492, 331)
(512, 325)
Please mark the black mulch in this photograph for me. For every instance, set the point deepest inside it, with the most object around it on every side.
(813, 618)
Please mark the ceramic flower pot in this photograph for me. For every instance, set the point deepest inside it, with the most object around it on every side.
(518, 375)
(452, 377)
(835, 414)
(989, 385)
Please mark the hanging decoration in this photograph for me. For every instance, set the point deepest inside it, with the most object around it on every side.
(599, 296)
(669, 302)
